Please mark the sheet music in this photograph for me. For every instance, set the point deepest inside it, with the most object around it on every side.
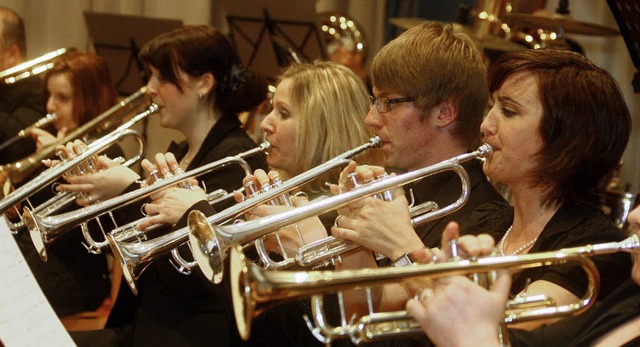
(26, 318)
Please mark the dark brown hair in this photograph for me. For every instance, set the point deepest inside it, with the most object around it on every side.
(585, 124)
(198, 49)
(93, 90)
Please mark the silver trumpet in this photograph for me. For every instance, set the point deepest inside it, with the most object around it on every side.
(211, 243)
(135, 257)
(255, 289)
(129, 232)
(45, 229)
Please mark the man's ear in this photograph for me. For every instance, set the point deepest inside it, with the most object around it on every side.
(13, 56)
(445, 113)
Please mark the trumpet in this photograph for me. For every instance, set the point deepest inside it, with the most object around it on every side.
(33, 67)
(44, 229)
(253, 287)
(211, 243)
(24, 133)
(129, 232)
(135, 257)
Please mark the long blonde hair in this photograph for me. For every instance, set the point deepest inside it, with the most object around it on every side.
(331, 102)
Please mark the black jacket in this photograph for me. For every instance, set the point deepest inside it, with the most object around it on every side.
(172, 309)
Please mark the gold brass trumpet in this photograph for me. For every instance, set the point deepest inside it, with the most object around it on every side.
(45, 229)
(135, 257)
(210, 243)
(253, 287)
(33, 67)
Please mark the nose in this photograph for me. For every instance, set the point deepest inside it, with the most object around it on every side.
(268, 124)
(152, 87)
(488, 126)
(634, 218)
(51, 105)
(373, 119)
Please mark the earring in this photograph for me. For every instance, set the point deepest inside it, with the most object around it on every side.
(201, 95)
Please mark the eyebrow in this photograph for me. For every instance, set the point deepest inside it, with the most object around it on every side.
(502, 99)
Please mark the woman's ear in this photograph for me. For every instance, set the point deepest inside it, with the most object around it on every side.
(207, 83)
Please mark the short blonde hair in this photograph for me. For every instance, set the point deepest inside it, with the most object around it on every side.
(432, 64)
(331, 102)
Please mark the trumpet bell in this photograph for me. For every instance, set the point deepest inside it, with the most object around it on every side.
(243, 304)
(38, 236)
(207, 248)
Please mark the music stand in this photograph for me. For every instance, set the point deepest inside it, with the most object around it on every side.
(118, 38)
(269, 34)
(627, 15)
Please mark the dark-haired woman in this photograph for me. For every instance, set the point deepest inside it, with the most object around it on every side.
(558, 127)
(199, 83)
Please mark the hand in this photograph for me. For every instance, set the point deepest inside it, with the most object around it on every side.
(381, 226)
(111, 181)
(311, 229)
(457, 299)
(165, 166)
(44, 138)
(169, 205)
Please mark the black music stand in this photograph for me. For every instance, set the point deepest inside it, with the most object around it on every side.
(118, 38)
(627, 15)
(270, 34)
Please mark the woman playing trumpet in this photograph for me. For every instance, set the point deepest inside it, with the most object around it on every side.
(540, 100)
(199, 83)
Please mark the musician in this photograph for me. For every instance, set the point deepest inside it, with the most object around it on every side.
(429, 95)
(77, 88)
(20, 103)
(199, 83)
(477, 312)
(423, 121)
(316, 116)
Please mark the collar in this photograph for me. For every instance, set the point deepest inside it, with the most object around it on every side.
(568, 217)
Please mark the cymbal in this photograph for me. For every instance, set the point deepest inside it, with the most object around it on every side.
(486, 41)
(557, 21)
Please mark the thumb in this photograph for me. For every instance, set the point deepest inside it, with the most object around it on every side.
(106, 162)
(61, 133)
(502, 285)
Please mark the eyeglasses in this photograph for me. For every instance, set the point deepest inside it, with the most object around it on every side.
(384, 104)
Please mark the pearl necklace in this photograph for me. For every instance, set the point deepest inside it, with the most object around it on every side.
(517, 251)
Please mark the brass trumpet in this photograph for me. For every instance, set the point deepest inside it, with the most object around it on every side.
(135, 257)
(210, 243)
(33, 67)
(253, 287)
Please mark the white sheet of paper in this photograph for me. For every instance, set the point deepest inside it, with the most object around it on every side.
(26, 318)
